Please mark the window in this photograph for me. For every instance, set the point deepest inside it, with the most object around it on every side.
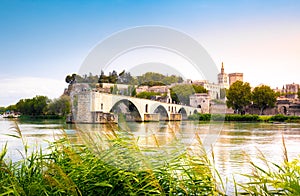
(146, 108)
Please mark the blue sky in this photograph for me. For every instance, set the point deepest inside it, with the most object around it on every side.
(43, 41)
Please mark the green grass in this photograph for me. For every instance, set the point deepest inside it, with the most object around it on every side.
(106, 164)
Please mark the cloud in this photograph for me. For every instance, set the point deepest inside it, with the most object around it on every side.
(14, 89)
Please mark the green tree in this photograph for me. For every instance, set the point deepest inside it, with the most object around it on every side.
(131, 91)
(60, 106)
(181, 93)
(146, 95)
(238, 96)
(2, 110)
(34, 106)
(158, 78)
(298, 93)
(40, 105)
(114, 89)
(71, 78)
(263, 97)
(11, 108)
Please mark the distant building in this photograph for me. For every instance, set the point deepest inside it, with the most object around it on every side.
(289, 91)
(212, 88)
(142, 89)
(223, 78)
(200, 100)
(292, 88)
(233, 77)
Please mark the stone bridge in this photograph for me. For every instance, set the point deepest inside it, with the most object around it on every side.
(91, 104)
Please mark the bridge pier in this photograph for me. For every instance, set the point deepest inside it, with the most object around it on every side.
(151, 117)
(175, 117)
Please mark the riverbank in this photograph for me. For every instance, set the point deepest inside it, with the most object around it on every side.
(244, 118)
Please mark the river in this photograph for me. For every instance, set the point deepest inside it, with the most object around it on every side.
(231, 143)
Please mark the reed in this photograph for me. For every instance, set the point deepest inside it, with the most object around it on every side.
(272, 178)
(108, 163)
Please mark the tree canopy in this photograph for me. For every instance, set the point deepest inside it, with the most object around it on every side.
(263, 97)
(147, 95)
(34, 106)
(238, 96)
(181, 93)
(157, 79)
(60, 106)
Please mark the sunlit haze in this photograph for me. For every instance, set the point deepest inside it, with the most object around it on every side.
(43, 41)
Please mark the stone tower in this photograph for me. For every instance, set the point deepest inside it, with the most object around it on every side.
(223, 78)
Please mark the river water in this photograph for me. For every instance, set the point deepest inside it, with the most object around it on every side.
(231, 143)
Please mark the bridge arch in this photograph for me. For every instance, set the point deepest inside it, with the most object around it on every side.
(163, 113)
(127, 107)
(183, 113)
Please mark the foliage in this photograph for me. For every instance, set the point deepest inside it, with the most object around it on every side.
(60, 106)
(246, 118)
(130, 91)
(147, 95)
(279, 118)
(114, 90)
(114, 77)
(91, 79)
(263, 97)
(227, 117)
(272, 178)
(2, 110)
(106, 164)
(238, 96)
(283, 118)
(34, 106)
(158, 78)
(40, 107)
(126, 78)
(181, 93)
(152, 83)
(200, 117)
(11, 108)
(70, 79)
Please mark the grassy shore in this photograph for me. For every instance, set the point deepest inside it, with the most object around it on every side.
(244, 118)
(112, 163)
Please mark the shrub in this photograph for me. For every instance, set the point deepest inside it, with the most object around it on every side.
(279, 118)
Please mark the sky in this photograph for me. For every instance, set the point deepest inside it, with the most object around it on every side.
(43, 41)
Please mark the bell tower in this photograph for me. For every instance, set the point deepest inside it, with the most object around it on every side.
(223, 78)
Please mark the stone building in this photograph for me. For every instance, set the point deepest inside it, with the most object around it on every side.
(233, 77)
(292, 89)
(200, 100)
